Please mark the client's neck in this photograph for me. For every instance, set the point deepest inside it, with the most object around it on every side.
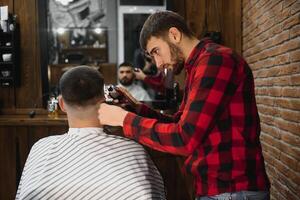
(83, 117)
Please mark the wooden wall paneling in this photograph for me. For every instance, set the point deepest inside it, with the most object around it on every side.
(224, 16)
(195, 15)
(29, 93)
(7, 167)
(22, 150)
(214, 15)
(12, 142)
(7, 98)
(232, 24)
(36, 133)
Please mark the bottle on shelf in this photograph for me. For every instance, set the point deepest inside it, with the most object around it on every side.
(52, 107)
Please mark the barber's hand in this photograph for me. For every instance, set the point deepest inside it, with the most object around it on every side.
(111, 115)
(139, 74)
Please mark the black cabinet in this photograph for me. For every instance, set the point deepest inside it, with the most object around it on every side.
(9, 55)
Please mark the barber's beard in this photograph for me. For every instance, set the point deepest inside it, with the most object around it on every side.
(177, 58)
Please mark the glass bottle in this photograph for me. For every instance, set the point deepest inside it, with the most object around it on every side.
(52, 107)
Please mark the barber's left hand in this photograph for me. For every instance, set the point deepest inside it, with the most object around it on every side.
(111, 115)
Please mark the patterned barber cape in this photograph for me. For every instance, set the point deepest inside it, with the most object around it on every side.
(86, 163)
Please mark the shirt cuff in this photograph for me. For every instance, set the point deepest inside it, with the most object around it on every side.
(127, 125)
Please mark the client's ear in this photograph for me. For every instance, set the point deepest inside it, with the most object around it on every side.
(61, 103)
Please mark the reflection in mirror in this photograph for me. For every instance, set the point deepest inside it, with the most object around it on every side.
(79, 46)
(76, 32)
(99, 33)
(76, 35)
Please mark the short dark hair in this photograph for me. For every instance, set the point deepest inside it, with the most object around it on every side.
(81, 85)
(159, 23)
(126, 64)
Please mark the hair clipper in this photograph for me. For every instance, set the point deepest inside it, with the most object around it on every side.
(111, 94)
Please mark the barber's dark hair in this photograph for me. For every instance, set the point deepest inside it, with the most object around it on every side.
(82, 86)
(126, 64)
(159, 23)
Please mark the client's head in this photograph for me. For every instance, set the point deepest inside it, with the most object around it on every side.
(81, 91)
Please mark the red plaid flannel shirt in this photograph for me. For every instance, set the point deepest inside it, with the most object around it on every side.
(217, 126)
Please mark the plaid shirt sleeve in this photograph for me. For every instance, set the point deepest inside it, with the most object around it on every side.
(213, 83)
(146, 111)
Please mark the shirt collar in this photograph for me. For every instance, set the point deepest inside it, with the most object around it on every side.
(195, 53)
(86, 131)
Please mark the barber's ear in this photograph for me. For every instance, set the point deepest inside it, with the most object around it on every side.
(61, 103)
(174, 35)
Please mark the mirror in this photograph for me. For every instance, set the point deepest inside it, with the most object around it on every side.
(76, 32)
(100, 33)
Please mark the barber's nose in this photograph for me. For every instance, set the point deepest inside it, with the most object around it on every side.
(158, 61)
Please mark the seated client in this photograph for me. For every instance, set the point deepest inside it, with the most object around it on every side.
(86, 163)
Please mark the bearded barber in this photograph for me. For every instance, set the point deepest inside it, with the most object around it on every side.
(217, 126)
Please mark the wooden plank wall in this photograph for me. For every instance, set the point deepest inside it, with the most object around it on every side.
(221, 15)
(29, 92)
